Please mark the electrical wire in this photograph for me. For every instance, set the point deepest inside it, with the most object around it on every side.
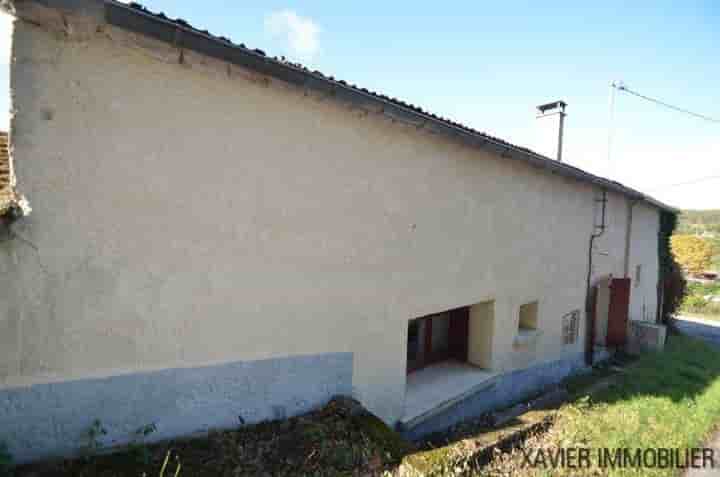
(622, 87)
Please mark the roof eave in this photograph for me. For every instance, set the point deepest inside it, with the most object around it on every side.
(135, 20)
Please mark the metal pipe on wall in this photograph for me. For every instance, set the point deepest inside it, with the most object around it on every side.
(628, 236)
(589, 312)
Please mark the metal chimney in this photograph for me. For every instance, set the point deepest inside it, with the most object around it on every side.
(551, 109)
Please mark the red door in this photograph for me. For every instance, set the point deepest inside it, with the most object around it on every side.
(618, 311)
(459, 324)
(451, 343)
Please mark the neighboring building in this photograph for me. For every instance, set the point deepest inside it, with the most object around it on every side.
(219, 237)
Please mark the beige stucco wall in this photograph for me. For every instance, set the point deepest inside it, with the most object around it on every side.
(196, 213)
(643, 294)
(481, 330)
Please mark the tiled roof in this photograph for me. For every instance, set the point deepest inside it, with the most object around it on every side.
(6, 194)
(298, 66)
(136, 17)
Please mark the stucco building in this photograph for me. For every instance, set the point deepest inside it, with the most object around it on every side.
(219, 237)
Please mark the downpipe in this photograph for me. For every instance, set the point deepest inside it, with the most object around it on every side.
(589, 299)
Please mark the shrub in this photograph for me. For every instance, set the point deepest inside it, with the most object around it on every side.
(699, 305)
(692, 252)
(675, 291)
(694, 302)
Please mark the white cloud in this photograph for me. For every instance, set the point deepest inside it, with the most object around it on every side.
(300, 33)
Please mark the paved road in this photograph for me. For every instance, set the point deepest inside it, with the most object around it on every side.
(709, 331)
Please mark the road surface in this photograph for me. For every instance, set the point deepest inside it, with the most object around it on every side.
(708, 330)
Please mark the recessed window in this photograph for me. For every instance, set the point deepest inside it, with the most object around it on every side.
(528, 332)
(529, 316)
(638, 275)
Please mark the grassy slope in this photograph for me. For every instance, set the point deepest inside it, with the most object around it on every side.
(667, 400)
(670, 399)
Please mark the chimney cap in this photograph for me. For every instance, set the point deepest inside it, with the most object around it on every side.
(555, 104)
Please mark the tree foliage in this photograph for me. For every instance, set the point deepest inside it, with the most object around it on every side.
(675, 291)
(693, 253)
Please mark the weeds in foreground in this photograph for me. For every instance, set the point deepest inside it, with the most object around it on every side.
(138, 447)
(165, 464)
(93, 438)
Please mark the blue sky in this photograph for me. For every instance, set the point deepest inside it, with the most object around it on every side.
(488, 64)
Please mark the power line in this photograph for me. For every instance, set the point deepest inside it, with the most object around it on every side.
(694, 181)
(621, 87)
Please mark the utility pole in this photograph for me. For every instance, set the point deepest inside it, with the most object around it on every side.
(551, 109)
(611, 126)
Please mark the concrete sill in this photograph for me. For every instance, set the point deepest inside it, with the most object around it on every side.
(526, 338)
(437, 387)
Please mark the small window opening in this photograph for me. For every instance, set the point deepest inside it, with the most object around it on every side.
(638, 275)
(528, 332)
(529, 316)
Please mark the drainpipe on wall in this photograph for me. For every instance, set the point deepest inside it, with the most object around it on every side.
(660, 291)
(628, 236)
(589, 302)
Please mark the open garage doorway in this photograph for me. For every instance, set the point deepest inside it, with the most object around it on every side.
(438, 337)
(449, 356)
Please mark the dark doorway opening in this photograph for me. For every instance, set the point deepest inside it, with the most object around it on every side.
(437, 337)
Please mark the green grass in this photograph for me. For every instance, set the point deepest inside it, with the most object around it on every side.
(695, 303)
(664, 400)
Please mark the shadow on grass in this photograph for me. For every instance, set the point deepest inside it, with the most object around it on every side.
(682, 372)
